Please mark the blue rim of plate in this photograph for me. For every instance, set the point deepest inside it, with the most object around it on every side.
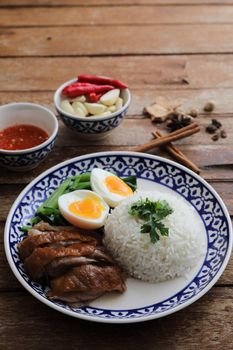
(180, 179)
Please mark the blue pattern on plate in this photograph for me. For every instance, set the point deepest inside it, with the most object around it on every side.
(158, 170)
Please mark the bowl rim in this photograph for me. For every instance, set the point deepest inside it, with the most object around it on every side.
(41, 145)
(89, 119)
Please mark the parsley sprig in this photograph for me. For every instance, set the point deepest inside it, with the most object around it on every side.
(152, 213)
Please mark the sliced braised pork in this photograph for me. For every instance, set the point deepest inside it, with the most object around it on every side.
(59, 266)
(86, 283)
(74, 262)
(36, 263)
(52, 239)
(44, 227)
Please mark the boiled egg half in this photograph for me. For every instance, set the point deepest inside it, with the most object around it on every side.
(109, 186)
(84, 209)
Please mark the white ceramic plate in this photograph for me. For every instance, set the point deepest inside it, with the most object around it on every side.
(142, 301)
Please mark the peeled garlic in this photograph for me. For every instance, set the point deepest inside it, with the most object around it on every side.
(119, 103)
(79, 105)
(110, 97)
(112, 108)
(95, 108)
(79, 112)
(66, 106)
(105, 114)
(81, 98)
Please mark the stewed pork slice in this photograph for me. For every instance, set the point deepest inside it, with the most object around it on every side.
(60, 266)
(36, 263)
(52, 239)
(45, 227)
(86, 283)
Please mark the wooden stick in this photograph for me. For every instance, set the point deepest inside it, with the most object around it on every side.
(173, 136)
(177, 154)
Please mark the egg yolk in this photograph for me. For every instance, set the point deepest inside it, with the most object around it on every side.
(89, 208)
(116, 185)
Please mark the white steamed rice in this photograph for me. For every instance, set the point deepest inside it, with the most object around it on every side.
(169, 257)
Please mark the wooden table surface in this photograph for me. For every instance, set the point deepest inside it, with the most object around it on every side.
(175, 48)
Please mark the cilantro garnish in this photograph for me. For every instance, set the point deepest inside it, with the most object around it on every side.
(152, 213)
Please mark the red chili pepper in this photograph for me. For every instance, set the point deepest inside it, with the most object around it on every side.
(77, 89)
(101, 80)
(75, 84)
(93, 97)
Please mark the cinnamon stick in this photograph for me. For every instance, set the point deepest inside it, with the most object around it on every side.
(173, 136)
(177, 154)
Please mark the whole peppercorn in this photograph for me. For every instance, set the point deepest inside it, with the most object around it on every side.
(194, 113)
(215, 137)
(211, 129)
(209, 106)
(223, 134)
(216, 123)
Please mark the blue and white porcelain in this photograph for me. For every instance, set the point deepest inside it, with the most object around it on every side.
(32, 114)
(142, 301)
(91, 127)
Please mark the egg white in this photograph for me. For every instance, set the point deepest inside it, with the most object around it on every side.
(98, 177)
(86, 223)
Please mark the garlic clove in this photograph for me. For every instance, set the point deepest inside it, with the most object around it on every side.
(119, 103)
(105, 114)
(66, 106)
(112, 108)
(110, 97)
(79, 105)
(81, 98)
(79, 112)
(95, 108)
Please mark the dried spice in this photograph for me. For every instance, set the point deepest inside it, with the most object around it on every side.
(178, 121)
(216, 123)
(193, 113)
(211, 129)
(158, 113)
(161, 110)
(223, 134)
(215, 137)
(209, 106)
(174, 117)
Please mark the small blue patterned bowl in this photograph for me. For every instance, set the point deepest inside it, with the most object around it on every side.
(31, 114)
(91, 127)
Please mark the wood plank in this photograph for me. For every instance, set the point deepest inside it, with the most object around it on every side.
(145, 73)
(208, 321)
(158, 39)
(115, 15)
(55, 3)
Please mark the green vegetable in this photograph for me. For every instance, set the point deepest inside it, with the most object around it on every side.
(152, 213)
(131, 181)
(49, 211)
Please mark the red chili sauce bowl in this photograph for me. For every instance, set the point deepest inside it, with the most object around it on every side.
(27, 135)
(22, 136)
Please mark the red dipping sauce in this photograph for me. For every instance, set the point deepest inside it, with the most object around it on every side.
(22, 136)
